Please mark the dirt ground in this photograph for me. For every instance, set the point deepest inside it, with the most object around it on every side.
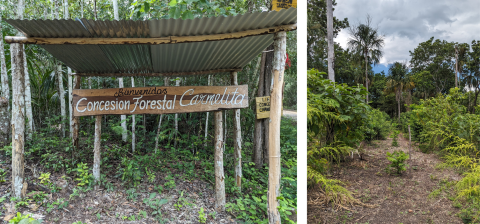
(102, 206)
(395, 199)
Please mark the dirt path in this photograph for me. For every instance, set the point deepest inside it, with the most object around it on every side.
(290, 114)
(398, 199)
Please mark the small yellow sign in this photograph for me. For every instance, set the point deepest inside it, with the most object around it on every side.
(283, 4)
(263, 107)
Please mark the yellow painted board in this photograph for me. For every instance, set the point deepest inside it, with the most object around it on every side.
(283, 4)
(263, 107)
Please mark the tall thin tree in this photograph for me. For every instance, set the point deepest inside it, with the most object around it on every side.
(367, 42)
(331, 52)
(5, 89)
(59, 76)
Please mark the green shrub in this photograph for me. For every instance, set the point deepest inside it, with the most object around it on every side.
(395, 138)
(378, 125)
(397, 158)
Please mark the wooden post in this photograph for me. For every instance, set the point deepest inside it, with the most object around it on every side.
(19, 187)
(133, 123)
(209, 82)
(409, 142)
(75, 120)
(219, 175)
(96, 149)
(269, 58)
(274, 172)
(237, 155)
(258, 155)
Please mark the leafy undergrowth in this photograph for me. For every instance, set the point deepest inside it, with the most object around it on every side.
(170, 186)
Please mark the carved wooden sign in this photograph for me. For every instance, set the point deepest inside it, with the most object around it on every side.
(158, 100)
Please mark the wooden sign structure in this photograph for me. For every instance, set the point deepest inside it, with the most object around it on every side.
(283, 4)
(158, 100)
(263, 107)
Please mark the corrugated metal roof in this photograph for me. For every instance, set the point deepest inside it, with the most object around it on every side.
(181, 57)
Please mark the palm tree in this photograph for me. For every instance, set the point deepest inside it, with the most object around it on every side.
(398, 81)
(460, 60)
(367, 42)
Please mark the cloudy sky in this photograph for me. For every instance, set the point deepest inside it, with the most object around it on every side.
(407, 23)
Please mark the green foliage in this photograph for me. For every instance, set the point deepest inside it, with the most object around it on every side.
(44, 178)
(378, 125)
(155, 204)
(83, 175)
(23, 219)
(397, 159)
(335, 111)
(2, 175)
(130, 172)
(394, 137)
(202, 218)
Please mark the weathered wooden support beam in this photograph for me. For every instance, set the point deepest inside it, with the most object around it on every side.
(151, 40)
(237, 155)
(96, 147)
(171, 74)
(75, 120)
(258, 151)
(276, 97)
(19, 187)
(219, 174)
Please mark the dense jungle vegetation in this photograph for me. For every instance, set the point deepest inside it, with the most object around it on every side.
(184, 155)
(427, 94)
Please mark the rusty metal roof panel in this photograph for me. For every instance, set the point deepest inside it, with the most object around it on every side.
(182, 57)
(221, 24)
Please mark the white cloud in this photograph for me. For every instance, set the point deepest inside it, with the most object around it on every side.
(406, 23)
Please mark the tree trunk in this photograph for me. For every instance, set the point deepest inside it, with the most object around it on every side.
(120, 82)
(70, 100)
(166, 82)
(96, 149)
(219, 175)
(65, 9)
(4, 121)
(18, 123)
(5, 100)
(331, 52)
(61, 96)
(456, 66)
(76, 121)
(209, 82)
(258, 159)
(133, 122)
(268, 83)
(274, 172)
(177, 83)
(366, 73)
(238, 141)
(399, 93)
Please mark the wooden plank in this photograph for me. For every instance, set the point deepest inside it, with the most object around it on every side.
(158, 100)
(283, 4)
(171, 74)
(151, 41)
